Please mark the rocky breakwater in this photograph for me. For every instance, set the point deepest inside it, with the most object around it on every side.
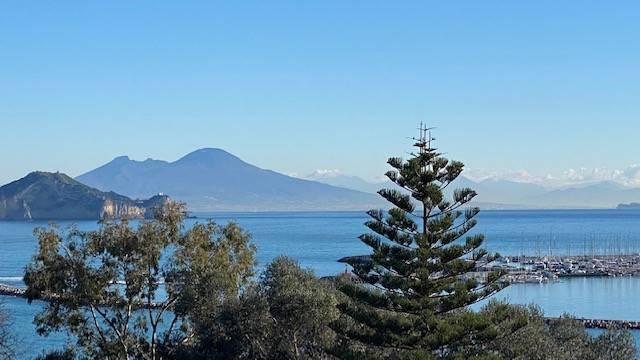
(603, 323)
(6, 290)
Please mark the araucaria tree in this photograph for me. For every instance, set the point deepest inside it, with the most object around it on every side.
(411, 294)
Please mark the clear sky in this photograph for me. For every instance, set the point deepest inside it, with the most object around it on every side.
(295, 86)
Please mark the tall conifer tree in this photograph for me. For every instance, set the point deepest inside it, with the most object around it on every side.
(418, 281)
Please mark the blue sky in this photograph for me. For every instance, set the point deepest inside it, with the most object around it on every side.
(295, 86)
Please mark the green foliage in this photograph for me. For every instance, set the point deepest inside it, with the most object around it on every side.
(283, 316)
(301, 306)
(103, 286)
(614, 345)
(526, 335)
(7, 340)
(205, 273)
(419, 276)
(67, 354)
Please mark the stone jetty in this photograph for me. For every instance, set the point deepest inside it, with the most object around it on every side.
(604, 324)
(7, 290)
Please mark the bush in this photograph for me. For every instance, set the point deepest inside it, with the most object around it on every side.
(285, 315)
(525, 334)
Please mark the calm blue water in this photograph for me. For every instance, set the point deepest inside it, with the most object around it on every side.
(317, 240)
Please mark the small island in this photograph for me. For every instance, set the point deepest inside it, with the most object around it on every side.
(630, 206)
(56, 196)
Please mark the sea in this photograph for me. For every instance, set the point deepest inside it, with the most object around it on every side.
(318, 239)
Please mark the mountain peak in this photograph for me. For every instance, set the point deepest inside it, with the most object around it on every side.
(209, 154)
(121, 158)
(43, 175)
(209, 151)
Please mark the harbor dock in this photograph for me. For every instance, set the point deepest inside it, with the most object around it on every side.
(534, 269)
(522, 269)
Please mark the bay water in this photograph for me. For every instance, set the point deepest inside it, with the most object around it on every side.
(318, 239)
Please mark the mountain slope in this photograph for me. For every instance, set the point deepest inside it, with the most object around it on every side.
(350, 182)
(504, 191)
(215, 180)
(506, 194)
(121, 174)
(55, 196)
(598, 195)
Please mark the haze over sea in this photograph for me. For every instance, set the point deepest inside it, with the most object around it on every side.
(318, 239)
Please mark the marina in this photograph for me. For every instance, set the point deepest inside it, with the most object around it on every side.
(547, 268)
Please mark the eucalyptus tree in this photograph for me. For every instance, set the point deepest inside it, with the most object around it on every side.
(7, 341)
(285, 314)
(302, 307)
(122, 290)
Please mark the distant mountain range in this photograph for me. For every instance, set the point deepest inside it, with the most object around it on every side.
(56, 196)
(505, 194)
(348, 181)
(215, 180)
